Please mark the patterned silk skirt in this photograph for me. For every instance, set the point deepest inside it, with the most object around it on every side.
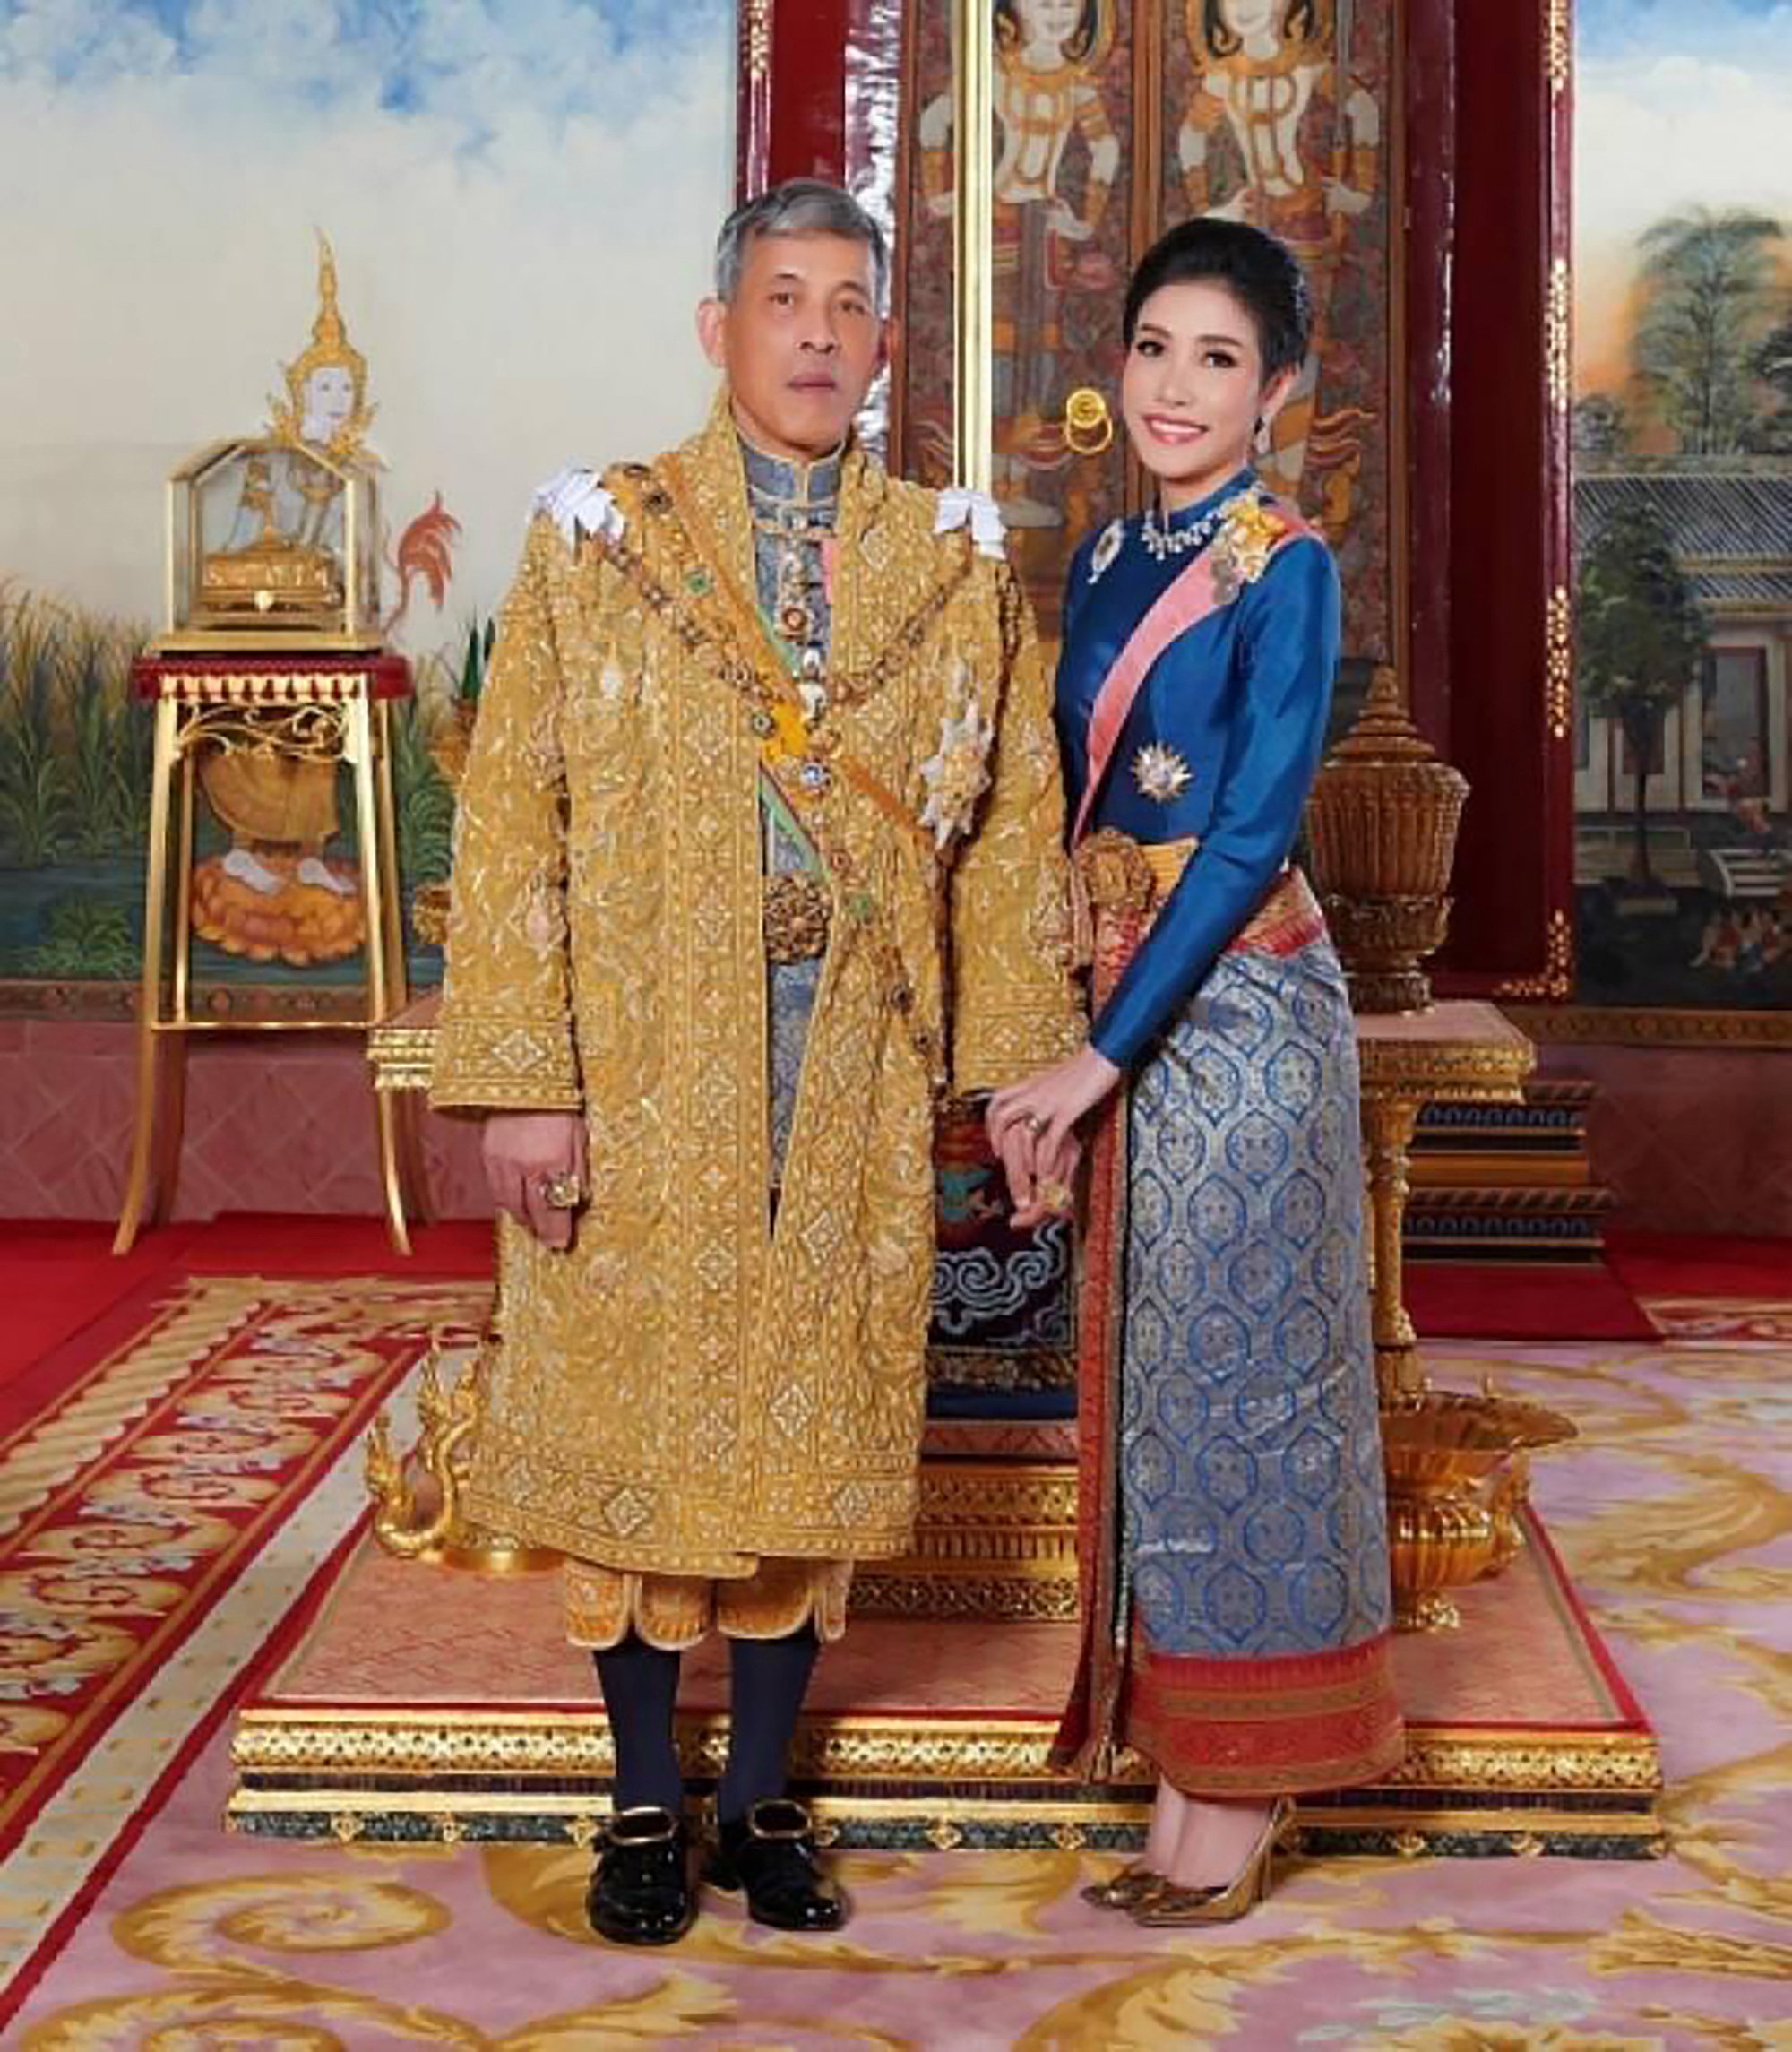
(1234, 1530)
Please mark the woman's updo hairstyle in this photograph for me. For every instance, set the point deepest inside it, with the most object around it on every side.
(1263, 274)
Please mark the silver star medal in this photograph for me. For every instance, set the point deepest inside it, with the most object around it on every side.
(1160, 773)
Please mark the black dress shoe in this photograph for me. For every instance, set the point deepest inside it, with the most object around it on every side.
(771, 1851)
(641, 1893)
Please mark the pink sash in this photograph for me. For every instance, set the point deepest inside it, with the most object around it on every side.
(1185, 602)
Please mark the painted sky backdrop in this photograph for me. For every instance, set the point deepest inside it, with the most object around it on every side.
(1677, 103)
(523, 196)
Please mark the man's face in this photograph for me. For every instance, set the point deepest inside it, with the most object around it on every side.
(800, 341)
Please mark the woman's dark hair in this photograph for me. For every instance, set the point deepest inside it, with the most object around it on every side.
(1299, 17)
(1008, 28)
(1263, 274)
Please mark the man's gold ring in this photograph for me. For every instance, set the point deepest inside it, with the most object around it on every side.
(1054, 1195)
(561, 1193)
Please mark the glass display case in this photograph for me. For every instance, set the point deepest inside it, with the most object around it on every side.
(268, 537)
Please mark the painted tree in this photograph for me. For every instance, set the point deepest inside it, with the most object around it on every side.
(1710, 291)
(1640, 636)
(1772, 432)
(1600, 426)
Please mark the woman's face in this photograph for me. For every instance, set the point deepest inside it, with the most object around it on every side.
(329, 401)
(1192, 388)
(1049, 20)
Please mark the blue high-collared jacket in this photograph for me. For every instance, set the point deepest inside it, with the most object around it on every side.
(1239, 701)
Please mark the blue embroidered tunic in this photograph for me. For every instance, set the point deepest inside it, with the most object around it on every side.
(1238, 703)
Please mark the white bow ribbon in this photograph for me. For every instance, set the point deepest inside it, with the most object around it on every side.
(958, 505)
(578, 503)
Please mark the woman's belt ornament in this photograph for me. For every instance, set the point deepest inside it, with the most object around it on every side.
(1119, 884)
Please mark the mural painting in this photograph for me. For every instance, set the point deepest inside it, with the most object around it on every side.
(1273, 111)
(1683, 504)
(471, 295)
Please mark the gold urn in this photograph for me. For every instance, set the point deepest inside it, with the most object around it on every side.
(1458, 1468)
(1381, 829)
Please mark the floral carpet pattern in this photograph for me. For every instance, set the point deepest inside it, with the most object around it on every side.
(1674, 1512)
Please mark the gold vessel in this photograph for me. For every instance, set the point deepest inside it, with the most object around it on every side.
(1381, 829)
(1458, 1468)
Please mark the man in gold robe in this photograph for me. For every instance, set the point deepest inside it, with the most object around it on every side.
(759, 854)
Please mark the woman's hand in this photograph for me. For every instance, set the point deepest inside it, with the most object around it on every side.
(1032, 1127)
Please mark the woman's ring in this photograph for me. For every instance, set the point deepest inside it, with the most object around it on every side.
(561, 1193)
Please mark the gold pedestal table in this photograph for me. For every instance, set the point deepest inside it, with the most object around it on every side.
(1459, 1052)
(333, 708)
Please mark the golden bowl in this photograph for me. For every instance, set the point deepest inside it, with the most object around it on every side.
(1458, 1468)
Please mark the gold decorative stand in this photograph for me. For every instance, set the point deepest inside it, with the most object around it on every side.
(327, 708)
(1463, 1052)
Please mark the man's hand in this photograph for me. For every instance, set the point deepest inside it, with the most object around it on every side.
(522, 1151)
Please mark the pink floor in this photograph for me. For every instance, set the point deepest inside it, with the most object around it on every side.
(1674, 1513)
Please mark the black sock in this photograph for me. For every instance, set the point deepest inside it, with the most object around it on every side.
(767, 1678)
(640, 1685)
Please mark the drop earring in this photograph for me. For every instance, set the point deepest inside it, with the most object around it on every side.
(1259, 438)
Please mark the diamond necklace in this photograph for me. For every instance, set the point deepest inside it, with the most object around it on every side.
(1162, 543)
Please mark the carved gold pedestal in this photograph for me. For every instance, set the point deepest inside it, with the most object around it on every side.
(326, 709)
(1459, 1053)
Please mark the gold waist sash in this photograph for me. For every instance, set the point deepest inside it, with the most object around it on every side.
(1118, 878)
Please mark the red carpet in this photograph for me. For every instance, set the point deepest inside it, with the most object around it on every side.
(1687, 1264)
(1522, 1300)
(58, 1276)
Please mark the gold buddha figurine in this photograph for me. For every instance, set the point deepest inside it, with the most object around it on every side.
(282, 559)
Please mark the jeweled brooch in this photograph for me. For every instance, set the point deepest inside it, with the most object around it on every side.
(1160, 773)
(958, 774)
(1107, 549)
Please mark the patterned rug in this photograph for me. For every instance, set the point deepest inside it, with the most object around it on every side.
(163, 1518)
(1674, 1510)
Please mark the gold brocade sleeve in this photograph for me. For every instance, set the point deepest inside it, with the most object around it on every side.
(1014, 1006)
(504, 1038)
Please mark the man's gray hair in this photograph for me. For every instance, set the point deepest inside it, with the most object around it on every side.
(799, 206)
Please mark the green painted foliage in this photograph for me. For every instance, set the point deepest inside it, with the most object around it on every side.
(74, 751)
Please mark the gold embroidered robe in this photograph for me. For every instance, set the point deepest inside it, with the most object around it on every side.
(691, 1387)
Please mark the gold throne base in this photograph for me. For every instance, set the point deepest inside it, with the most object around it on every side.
(930, 1724)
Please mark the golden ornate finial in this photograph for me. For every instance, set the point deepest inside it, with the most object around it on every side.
(336, 413)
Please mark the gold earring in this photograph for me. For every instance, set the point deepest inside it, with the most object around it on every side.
(1088, 425)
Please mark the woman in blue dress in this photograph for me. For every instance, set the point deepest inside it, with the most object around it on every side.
(1234, 1580)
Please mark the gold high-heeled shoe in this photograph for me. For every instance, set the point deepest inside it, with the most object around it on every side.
(1132, 1885)
(1170, 1906)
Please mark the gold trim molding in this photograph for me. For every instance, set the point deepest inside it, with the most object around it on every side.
(1557, 977)
(1558, 337)
(274, 1743)
(1559, 47)
(1559, 699)
(1655, 1026)
(758, 18)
